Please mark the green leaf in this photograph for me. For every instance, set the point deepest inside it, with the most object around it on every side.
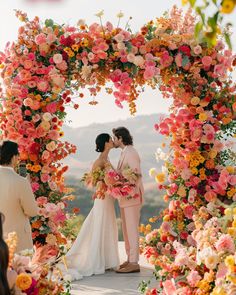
(49, 23)
(185, 61)
(228, 40)
(192, 2)
(198, 29)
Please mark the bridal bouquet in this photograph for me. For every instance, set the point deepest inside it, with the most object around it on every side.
(96, 179)
(121, 185)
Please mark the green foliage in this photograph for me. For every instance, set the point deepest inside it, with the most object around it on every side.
(72, 226)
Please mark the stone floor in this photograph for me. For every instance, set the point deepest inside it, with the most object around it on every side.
(113, 283)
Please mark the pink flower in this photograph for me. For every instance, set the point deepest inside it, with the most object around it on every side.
(206, 61)
(52, 107)
(210, 196)
(43, 85)
(35, 186)
(40, 39)
(149, 73)
(225, 243)
(169, 287)
(197, 49)
(193, 278)
(44, 177)
(165, 226)
(42, 201)
(57, 58)
(188, 211)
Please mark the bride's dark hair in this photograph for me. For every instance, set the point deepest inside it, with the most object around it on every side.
(4, 259)
(100, 141)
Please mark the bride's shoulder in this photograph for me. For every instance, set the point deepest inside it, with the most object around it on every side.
(98, 164)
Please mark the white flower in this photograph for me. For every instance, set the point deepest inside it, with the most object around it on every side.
(120, 14)
(100, 13)
(160, 155)
(47, 117)
(81, 22)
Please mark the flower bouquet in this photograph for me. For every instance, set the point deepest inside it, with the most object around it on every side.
(33, 273)
(95, 179)
(121, 185)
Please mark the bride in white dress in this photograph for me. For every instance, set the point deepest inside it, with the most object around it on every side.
(96, 246)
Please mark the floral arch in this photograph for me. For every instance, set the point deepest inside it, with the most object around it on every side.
(51, 63)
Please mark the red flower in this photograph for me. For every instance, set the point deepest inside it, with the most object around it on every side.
(185, 49)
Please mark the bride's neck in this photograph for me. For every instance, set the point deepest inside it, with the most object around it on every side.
(104, 154)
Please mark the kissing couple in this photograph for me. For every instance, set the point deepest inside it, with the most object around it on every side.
(95, 249)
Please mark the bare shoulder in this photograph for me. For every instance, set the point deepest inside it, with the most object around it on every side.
(99, 163)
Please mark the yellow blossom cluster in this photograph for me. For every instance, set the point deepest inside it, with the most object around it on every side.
(195, 159)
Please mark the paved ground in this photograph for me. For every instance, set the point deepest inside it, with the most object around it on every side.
(112, 283)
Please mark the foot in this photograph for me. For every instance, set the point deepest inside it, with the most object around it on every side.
(124, 264)
(129, 268)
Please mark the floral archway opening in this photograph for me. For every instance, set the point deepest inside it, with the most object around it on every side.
(49, 63)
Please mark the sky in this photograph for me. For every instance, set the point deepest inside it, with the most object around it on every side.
(69, 12)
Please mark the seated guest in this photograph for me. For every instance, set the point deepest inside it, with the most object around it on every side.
(17, 201)
(4, 258)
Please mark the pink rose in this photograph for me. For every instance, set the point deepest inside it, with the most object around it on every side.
(51, 107)
(225, 243)
(206, 61)
(42, 201)
(193, 278)
(57, 58)
(40, 39)
(169, 287)
(35, 186)
(197, 49)
(210, 196)
(43, 86)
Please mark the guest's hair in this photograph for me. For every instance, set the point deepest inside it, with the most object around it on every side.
(101, 141)
(8, 149)
(4, 259)
(124, 134)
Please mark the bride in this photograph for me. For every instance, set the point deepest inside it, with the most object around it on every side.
(96, 246)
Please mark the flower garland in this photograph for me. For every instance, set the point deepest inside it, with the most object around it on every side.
(50, 64)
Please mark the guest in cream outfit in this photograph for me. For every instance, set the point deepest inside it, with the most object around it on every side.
(17, 201)
(129, 208)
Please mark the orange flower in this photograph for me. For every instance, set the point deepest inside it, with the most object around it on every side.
(37, 224)
(210, 164)
(23, 281)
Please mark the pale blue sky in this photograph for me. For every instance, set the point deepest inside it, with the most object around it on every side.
(70, 11)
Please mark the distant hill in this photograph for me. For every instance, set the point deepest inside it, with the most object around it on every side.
(146, 141)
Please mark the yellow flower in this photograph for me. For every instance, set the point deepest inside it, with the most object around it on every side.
(84, 43)
(231, 231)
(227, 6)
(166, 218)
(228, 212)
(212, 154)
(218, 291)
(75, 47)
(202, 117)
(194, 171)
(160, 177)
(229, 260)
(23, 281)
(232, 278)
(195, 100)
(152, 172)
(184, 2)
(230, 169)
(148, 227)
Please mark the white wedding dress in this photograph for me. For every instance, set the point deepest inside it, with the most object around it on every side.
(96, 247)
